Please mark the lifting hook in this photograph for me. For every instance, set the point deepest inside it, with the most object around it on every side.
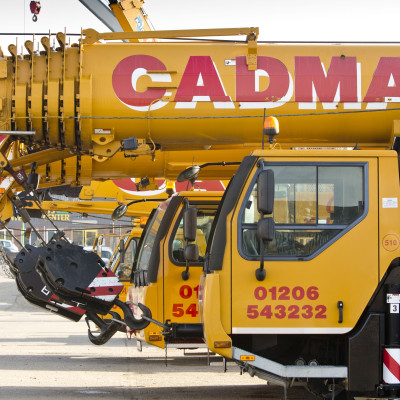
(35, 9)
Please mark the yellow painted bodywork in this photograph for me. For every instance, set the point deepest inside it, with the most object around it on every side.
(7, 210)
(90, 201)
(110, 189)
(85, 73)
(349, 270)
(210, 314)
(172, 298)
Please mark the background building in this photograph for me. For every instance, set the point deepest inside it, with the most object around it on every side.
(80, 229)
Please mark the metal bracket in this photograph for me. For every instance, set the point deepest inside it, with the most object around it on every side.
(143, 149)
(61, 39)
(104, 152)
(92, 36)
(3, 161)
(103, 136)
(251, 58)
(29, 47)
(3, 69)
(104, 145)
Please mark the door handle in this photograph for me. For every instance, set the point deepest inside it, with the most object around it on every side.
(340, 307)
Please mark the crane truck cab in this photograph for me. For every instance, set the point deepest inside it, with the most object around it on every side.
(322, 302)
(163, 279)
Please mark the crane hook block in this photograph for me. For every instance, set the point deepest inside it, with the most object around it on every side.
(79, 276)
(35, 9)
(34, 290)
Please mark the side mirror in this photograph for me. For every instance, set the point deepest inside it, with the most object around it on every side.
(265, 205)
(266, 192)
(191, 252)
(121, 251)
(119, 212)
(190, 224)
(266, 229)
(189, 174)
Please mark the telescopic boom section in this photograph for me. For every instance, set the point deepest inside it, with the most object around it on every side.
(190, 93)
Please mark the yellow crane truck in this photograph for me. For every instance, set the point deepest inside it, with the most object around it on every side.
(167, 269)
(322, 303)
(301, 272)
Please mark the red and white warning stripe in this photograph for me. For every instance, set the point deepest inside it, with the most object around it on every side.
(106, 286)
(68, 307)
(74, 309)
(391, 365)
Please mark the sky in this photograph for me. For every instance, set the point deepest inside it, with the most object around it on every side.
(278, 20)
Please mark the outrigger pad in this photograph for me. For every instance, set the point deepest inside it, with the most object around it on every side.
(78, 276)
(31, 286)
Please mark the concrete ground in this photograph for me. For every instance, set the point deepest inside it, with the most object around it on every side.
(45, 356)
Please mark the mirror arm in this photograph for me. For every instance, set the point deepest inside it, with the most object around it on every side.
(143, 201)
(265, 205)
(121, 251)
(260, 272)
(116, 215)
(221, 163)
(186, 273)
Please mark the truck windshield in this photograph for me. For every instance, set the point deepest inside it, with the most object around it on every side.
(149, 237)
(205, 218)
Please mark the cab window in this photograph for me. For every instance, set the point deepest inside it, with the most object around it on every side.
(312, 205)
(205, 218)
(115, 257)
(124, 270)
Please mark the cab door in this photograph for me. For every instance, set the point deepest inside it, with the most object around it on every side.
(324, 252)
(181, 296)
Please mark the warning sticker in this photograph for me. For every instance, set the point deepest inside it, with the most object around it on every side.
(102, 131)
(393, 298)
(389, 202)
